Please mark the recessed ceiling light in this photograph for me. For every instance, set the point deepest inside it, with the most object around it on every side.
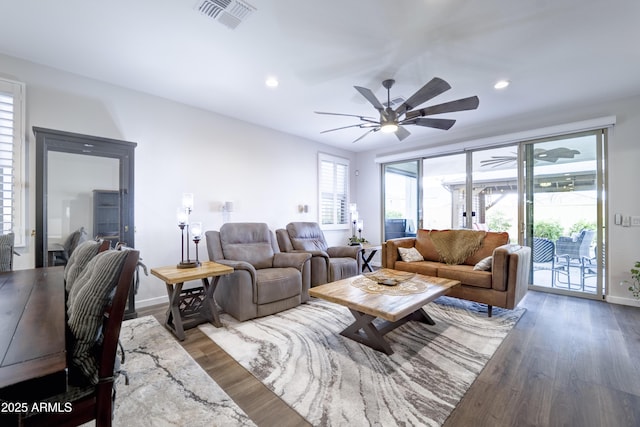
(501, 84)
(271, 81)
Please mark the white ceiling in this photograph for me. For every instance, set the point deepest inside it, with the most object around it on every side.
(555, 52)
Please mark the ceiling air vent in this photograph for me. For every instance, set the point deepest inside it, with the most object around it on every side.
(229, 13)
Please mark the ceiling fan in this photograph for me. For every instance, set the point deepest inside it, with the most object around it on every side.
(551, 156)
(393, 121)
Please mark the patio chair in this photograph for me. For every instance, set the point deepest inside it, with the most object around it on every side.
(576, 247)
(589, 269)
(544, 258)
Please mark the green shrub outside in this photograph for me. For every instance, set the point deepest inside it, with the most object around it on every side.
(548, 229)
(581, 225)
(499, 221)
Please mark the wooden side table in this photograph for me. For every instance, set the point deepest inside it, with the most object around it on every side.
(367, 257)
(191, 307)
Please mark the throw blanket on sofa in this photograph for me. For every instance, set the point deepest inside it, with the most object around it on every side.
(454, 246)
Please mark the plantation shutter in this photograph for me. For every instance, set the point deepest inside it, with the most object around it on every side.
(334, 194)
(11, 131)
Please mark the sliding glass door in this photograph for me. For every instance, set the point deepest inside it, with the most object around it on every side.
(494, 190)
(401, 195)
(445, 192)
(564, 216)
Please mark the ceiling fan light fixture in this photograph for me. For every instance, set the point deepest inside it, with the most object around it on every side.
(389, 128)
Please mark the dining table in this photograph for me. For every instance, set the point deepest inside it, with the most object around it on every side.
(33, 356)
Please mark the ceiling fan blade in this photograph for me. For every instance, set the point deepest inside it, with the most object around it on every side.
(402, 133)
(360, 125)
(430, 90)
(444, 124)
(365, 118)
(346, 127)
(370, 97)
(463, 104)
(367, 133)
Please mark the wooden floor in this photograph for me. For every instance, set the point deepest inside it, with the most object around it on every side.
(568, 362)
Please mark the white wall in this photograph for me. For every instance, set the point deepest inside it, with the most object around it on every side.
(267, 174)
(624, 174)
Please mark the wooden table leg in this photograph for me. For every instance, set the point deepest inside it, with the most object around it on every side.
(210, 302)
(374, 336)
(367, 259)
(174, 319)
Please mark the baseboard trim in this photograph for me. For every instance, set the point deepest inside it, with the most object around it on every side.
(623, 301)
(152, 301)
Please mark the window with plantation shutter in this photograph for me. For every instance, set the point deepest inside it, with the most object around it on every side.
(334, 191)
(11, 155)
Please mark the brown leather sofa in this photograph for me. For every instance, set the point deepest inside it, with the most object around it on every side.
(503, 285)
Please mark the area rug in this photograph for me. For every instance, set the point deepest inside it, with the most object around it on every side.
(331, 380)
(166, 386)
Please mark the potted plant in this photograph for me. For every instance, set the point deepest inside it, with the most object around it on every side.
(354, 240)
(634, 285)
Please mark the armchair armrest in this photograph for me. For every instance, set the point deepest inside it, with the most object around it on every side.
(291, 259)
(318, 253)
(390, 250)
(238, 266)
(344, 251)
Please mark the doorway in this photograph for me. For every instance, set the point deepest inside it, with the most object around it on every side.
(564, 213)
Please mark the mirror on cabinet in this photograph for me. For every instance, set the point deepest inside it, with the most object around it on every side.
(84, 190)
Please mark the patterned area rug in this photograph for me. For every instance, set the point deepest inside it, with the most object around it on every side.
(166, 386)
(331, 380)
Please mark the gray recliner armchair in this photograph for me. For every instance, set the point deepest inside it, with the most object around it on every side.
(328, 264)
(265, 280)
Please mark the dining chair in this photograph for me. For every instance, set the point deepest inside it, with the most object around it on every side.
(7, 251)
(94, 400)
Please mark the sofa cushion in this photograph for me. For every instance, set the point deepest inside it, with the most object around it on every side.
(484, 264)
(306, 236)
(249, 242)
(466, 275)
(425, 246)
(275, 284)
(491, 241)
(427, 268)
(410, 254)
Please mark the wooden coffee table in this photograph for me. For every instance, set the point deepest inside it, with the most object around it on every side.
(367, 303)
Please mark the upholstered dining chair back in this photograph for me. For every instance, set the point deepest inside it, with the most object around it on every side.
(7, 251)
(94, 399)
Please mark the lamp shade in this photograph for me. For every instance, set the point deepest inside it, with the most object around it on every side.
(187, 200)
(181, 216)
(196, 230)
